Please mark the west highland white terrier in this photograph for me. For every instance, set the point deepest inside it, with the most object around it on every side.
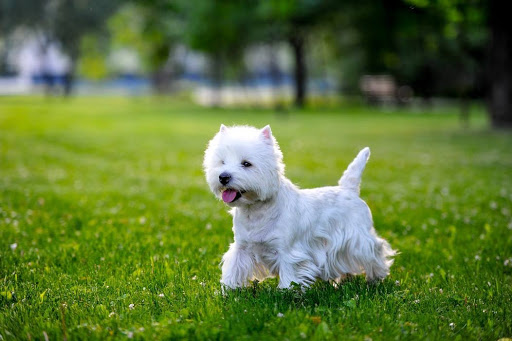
(298, 235)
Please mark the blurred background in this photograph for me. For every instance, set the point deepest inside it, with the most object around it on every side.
(273, 53)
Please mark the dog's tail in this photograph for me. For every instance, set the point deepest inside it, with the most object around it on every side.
(351, 178)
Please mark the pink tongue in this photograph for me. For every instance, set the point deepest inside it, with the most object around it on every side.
(228, 195)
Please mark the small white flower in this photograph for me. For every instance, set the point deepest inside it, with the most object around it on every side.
(14, 246)
(397, 283)
(161, 295)
(477, 257)
(452, 325)
(280, 314)
(129, 335)
(131, 306)
(111, 314)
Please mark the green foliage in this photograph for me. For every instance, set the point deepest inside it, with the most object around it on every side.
(109, 230)
(217, 27)
(15, 13)
(149, 28)
(437, 47)
(68, 21)
(92, 65)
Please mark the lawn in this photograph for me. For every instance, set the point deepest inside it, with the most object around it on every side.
(109, 231)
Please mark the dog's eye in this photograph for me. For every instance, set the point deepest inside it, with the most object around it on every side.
(246, 164)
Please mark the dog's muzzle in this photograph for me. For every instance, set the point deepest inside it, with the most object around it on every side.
(224, 178)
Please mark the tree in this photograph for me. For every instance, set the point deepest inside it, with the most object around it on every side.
(154, 29)
(500, 65)
(223, 29)
(292, 21)
(474, 53)
(63, 21)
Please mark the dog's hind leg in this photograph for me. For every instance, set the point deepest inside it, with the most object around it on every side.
(378, 262)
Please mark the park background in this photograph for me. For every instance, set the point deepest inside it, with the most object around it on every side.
(109, 230)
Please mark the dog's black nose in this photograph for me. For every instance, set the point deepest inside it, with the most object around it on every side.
(224, 178)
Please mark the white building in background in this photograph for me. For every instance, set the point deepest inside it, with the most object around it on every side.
(268, 67)
(32, 57)
(265, 78)
(124, 61)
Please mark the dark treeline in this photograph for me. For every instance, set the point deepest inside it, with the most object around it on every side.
(451, 48)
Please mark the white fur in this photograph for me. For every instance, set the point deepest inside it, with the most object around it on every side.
(280, 230)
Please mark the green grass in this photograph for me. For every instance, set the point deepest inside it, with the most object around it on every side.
(117, 235)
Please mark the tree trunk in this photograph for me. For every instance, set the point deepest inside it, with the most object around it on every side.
(217, 75)
(69, 76)
(275, 78)
(500, 65)
(297, 42)
(69, 83)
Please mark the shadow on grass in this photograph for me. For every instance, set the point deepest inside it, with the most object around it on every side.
(348, 294)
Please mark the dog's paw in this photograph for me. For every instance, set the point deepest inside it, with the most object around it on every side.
(227, 287)
(293, 286)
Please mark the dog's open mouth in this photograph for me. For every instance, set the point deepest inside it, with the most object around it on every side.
(231, 195)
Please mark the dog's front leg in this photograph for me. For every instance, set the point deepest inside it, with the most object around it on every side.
(286, 276)
(237, 267)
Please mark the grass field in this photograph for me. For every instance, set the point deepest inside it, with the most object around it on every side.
(108, 230)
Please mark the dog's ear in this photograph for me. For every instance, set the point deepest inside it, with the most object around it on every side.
(223, 128)
(266, 132)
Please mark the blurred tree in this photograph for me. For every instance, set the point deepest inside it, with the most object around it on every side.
(64, 21)
(437, 46)
(450, 43)
(293, 21)
(152, 28)
(16, 13)
(418, 42)
(500, 65)
(471, 54)
(222, 29)
(67, 21)
(92, 63)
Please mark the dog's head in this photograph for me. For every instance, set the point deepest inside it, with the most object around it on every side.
(243, 165)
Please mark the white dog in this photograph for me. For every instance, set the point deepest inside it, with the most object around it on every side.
(299, 235)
